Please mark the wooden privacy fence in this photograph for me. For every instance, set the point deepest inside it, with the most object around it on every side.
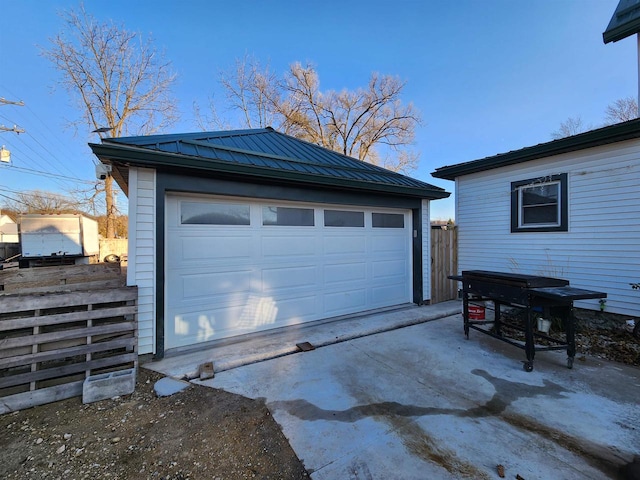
(444, 262)
(49, 343)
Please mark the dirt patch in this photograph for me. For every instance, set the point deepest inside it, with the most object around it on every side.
(200, 433)
(597, 335)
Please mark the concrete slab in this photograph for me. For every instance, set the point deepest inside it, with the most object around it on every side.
(165, 387)
(423, 402)
(237, 352)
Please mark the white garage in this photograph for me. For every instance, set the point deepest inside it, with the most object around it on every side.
(236, 232)
(235, 266)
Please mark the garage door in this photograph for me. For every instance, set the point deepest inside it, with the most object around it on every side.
(235, 266)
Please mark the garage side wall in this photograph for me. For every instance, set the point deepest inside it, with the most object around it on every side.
(426, 251)
(599, 250)
(141, 270)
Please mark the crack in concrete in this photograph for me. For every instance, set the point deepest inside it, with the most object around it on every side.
(421, 444)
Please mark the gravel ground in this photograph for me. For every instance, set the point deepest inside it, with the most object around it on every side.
(200, 433)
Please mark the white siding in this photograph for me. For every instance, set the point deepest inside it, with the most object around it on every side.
(426, 250)
(601, 249)
(141, 270)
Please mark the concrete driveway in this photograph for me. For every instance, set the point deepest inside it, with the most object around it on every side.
(423, 402)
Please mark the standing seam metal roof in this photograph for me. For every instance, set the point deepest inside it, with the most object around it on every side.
(266, 148)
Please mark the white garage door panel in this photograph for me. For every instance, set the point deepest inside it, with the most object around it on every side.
(387, 244)
(223, 281)
(388, 294)
(344, 272)
(275, 279)
(295, 310)
(340, 303)
(213, 248)
(341, 245)
(288, 246)
(216, 283)
(389, 269)
(204, 325)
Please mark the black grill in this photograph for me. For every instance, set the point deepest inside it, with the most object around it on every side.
(553, 296)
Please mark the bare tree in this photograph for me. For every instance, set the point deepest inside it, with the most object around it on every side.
(622, 110)
(118, 80)
(371, 123)
(38, 201)
(571, 126)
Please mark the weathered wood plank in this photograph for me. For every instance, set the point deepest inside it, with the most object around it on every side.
(47, 373)
(26, 302)
(73, 339)
(20, 401)
(62, 353)
(6, 343)
(60, 274)
(60, 318)
(69, 287)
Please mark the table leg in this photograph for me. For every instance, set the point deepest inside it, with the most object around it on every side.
(529, 345)
(571, 334)
(465, 312)
(496, 318)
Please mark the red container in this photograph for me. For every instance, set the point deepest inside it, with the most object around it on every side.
(476, 312)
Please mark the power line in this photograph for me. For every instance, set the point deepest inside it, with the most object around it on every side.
(60, 164)
(22, 155)
(54, 175)
(14, 199)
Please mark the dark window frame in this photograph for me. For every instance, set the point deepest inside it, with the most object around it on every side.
(563, 200)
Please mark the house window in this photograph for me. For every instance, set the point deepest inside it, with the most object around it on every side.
(287, 217)
(387, 220)
(540, 204)
(200, 213)
(343, 218)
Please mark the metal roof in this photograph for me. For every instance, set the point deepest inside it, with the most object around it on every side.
(594, 138)
(263, 153)
(624, 22)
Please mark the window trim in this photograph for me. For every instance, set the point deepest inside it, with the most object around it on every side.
(563, 201)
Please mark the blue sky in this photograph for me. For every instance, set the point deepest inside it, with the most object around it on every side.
(488, 76)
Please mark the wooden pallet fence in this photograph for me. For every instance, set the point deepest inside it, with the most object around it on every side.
(61, 278)
(49, 343)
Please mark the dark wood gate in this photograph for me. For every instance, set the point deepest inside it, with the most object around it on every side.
(444, 262)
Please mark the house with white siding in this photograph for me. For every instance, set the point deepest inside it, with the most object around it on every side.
(8, 230)
(569, 208)
(237, 232)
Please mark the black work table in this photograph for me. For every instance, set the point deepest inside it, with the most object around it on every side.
(527, 292)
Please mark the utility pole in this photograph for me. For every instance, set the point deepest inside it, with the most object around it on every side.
(4, 101)
(5, 155)
(15, 128)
